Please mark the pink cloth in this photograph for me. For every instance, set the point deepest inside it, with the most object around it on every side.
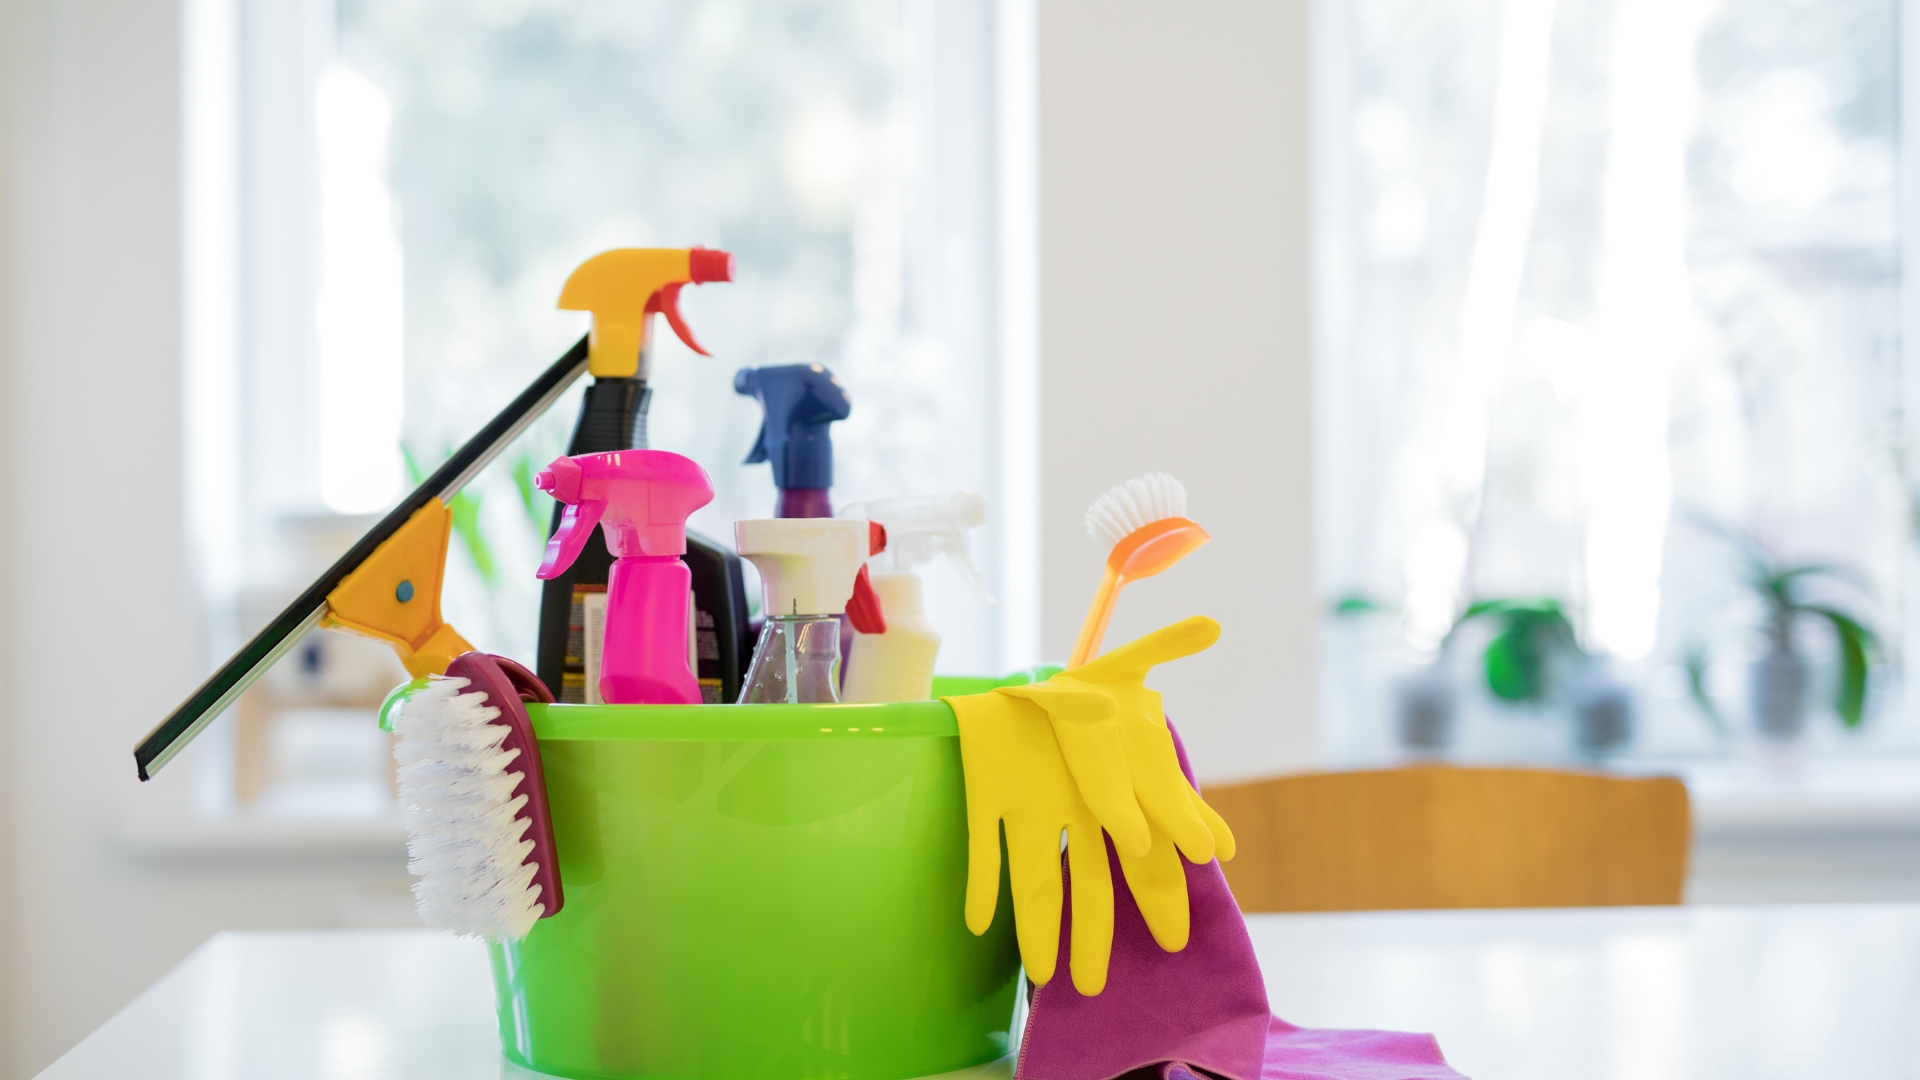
(1199, 1012)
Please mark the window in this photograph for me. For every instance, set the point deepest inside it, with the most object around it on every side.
(1611, 304)
(418, 178)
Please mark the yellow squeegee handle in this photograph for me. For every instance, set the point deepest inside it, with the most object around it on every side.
(245, 667)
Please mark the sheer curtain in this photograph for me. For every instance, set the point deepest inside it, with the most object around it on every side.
(1614, 292)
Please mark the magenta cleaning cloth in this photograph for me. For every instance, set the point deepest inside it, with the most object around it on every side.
(1199, 1012)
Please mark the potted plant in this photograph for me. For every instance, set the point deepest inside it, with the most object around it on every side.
(1780, 677)
(1535, 658)
(1533, 650)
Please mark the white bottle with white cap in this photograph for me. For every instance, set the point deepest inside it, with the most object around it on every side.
(898, 664)
(807, 567)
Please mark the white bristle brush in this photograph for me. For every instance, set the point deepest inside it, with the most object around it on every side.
(1144, 522)
(480, 836)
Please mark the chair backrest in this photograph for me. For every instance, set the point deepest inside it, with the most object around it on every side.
(1436, 836)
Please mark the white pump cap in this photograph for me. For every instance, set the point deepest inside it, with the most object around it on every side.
(806, 565)
(919, 527)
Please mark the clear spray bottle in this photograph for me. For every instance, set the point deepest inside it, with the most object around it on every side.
(807, 567)
(896, 664)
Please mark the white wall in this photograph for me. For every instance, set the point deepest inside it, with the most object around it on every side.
(1174, 337)
(9, 63)
(99, 623)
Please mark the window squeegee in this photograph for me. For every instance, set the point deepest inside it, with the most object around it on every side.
(388, 584)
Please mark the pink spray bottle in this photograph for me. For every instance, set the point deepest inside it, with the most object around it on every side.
(640, 499)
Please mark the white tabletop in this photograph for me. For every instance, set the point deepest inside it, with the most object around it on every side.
(1756, 993)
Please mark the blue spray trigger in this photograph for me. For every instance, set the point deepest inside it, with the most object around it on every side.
(798, 402)
(759, 452)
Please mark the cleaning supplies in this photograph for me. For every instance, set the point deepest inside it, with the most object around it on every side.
(387, 585)
(897, 664)
(807, 569)
(639, 500)
(475, 800)
(1144, 522)
(1046, 757)
(624, 289)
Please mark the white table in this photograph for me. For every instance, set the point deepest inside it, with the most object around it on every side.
(1755, 993)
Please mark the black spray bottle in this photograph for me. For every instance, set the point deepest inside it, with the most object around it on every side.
(624, 289)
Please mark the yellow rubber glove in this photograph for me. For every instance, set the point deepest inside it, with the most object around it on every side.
(1015, 775)
(1178, 816)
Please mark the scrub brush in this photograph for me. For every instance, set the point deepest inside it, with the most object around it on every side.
(480, 835)
(1144, 521)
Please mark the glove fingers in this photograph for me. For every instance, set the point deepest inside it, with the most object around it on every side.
(1164, 793)
(1159, 886)
(1066, 702)
(1097, 757)
(1179, 822)
(983, 868)
(1033, 862)
(1223, 842)
(1084, 725)
(1092, 941)
(1137, 657)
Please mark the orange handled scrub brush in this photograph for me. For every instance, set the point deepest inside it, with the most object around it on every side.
(1144, 521)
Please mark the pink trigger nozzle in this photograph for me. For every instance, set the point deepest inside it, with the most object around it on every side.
(560, 480)
(640, 499)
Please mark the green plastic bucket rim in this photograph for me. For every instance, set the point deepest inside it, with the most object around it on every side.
(614, 723)
(619, 723)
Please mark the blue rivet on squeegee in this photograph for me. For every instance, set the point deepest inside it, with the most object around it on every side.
(404, 593)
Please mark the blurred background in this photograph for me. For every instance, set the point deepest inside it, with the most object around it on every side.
(1538, 365)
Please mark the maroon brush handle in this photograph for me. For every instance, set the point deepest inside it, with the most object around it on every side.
(508, 687)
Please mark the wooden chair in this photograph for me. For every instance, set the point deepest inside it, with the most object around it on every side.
(1436, 836)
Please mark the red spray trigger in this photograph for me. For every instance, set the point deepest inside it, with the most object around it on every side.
(863, 610)
(667, 302)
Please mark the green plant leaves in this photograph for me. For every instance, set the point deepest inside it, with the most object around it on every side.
(539, 509)
(1356, 604)
(1696, 666)
(465, 509)
(1524, 660)
(1856, 646)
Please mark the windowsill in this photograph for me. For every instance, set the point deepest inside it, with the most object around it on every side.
(255, 837)
(1737, 800)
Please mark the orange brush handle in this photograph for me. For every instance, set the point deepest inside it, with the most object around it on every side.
(1095, 626)
(1142, 553)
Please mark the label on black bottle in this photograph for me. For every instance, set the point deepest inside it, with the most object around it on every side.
(706, 656)
(577, 675)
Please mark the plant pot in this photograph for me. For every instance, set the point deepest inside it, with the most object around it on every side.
(1779, 690)
(1602, 717)
(1424, 705)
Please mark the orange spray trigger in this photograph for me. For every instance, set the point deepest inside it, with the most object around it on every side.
(863, 609)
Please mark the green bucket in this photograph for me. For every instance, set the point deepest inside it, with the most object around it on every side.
(757, 892)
